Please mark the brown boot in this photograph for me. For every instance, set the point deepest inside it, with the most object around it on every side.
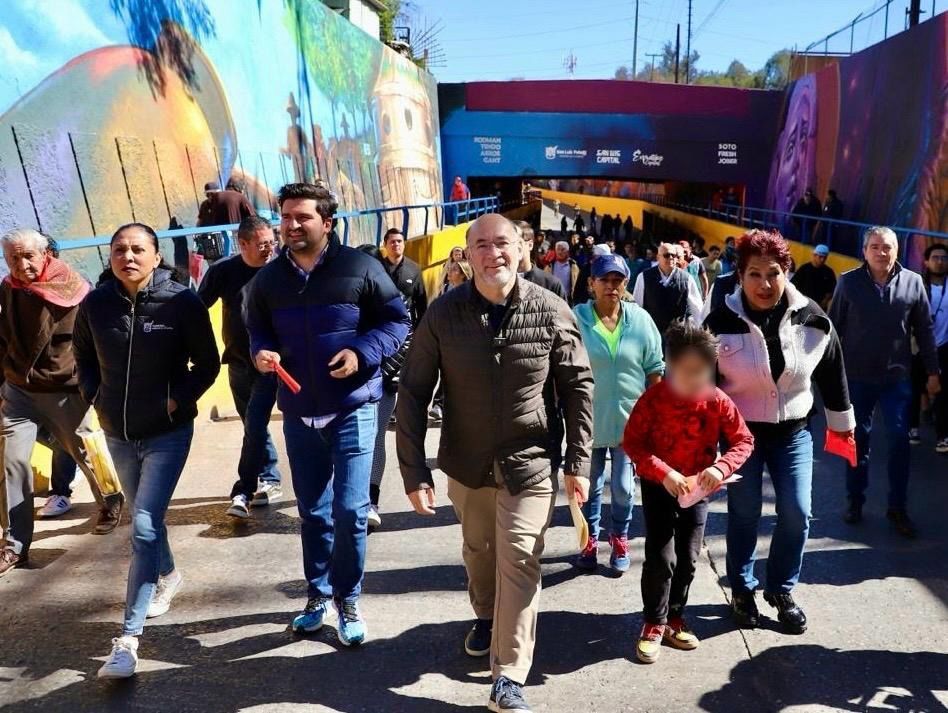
(10, 560)
(110, 515)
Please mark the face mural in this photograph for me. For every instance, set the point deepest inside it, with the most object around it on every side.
(873, 127)
(794, 165)
(266, 92)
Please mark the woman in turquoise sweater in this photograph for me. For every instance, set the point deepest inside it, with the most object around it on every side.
(625, 351)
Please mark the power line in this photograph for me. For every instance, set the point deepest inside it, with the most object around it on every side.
(518, 35)
(709, 16)
(544, 50)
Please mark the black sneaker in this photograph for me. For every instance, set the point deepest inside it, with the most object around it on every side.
(788, 613)
(507, 695)
(853, 514)
(744, 610)
(477, 641)
(902, 522)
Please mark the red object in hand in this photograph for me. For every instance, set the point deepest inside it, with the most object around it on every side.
(291, 383)
(841, 445)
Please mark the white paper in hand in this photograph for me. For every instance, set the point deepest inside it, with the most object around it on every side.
(698, 493)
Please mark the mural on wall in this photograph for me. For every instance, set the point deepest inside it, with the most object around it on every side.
(873, 127)
(117, 111)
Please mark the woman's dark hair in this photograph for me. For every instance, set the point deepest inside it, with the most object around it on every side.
(107, 273)
(684, 336)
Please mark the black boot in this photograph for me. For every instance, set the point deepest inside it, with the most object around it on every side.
(902, 523)
(788, 613)
(744, 610)
(853, 514)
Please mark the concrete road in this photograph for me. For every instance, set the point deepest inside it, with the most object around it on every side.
(878, 637)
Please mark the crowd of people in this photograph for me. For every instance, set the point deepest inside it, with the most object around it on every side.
(598, 353)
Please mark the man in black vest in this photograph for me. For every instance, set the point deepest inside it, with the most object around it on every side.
(666, 291)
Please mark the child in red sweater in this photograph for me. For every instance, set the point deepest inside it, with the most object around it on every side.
(674, 432)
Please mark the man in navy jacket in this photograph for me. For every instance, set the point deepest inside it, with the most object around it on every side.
(329, 315)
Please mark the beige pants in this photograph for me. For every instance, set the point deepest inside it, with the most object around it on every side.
(503, 541)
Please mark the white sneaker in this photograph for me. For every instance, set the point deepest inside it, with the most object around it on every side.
(914, 436)
(942, 446)
(164, 593)
(435, 412)
(238, 507)
(269, 492)
(123, 660)
(375, 520)
(55, 506)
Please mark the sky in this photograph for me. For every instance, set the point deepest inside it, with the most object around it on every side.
(505, 39)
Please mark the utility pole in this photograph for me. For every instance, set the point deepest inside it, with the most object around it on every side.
(635, 39)
(677, 49)
(688, 47)
(652, 56)
(914, 12)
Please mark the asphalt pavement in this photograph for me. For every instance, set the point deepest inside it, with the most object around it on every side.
(878, 637)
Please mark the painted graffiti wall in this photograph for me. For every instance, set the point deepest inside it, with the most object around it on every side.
(873, 127)
(121, 110)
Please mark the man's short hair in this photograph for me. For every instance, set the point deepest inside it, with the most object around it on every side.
(880, 230)
(250, 225)
(933, 247)
(326, 203)
(19, 236)
(683, 336)
(390, 232)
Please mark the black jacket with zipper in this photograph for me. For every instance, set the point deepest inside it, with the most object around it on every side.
(132, 357)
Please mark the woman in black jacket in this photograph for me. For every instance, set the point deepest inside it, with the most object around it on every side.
(145, 354)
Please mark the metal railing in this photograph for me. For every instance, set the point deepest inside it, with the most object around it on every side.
(841, 236)
(415, 220)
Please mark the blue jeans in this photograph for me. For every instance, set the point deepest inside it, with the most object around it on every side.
(149, 470)
(622, 485)
(790, 464)
(254, 395)
(331, 468)
(894, 400)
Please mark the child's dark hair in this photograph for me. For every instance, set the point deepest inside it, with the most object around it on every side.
(684, 335)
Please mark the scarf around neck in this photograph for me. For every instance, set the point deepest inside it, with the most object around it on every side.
(57, 284)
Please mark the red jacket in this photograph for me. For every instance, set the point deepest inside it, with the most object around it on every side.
(666, 433)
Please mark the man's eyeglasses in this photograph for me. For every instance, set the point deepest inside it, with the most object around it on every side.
(263, 247)
(939, 258)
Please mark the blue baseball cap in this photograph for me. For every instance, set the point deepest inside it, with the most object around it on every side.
(821, 250)
(602, 266)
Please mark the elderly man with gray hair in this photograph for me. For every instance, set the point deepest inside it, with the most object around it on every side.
(494, 342)
(38, 305)
(877, 310)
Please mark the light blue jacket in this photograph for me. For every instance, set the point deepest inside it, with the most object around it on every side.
(619, 382)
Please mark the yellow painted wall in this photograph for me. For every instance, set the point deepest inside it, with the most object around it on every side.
(713, 231)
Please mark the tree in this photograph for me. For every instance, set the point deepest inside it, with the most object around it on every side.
(773, 75)
(387, 20)
(739, 75)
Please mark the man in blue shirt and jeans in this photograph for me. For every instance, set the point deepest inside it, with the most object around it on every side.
(329, 315)
(877, 309)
